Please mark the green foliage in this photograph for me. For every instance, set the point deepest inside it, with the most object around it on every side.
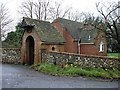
(78, 71)
(13, 39)
(50, 68)
(114, 55)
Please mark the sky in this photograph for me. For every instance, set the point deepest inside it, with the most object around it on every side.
(80, 5)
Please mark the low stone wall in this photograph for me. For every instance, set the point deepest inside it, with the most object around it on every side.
(82, 60)
(11, 55)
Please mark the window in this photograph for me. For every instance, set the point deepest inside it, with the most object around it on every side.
(101, 47)
(79, 41)
(89, 37)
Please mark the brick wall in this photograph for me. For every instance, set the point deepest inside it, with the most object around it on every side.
(89, 49)
(70, 45)
(38, 46)
(37, 41)
(82, 60)
(48, 47)
(11, 55)
(101, 37)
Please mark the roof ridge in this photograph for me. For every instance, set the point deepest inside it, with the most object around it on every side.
(36, 19)
(59, 18)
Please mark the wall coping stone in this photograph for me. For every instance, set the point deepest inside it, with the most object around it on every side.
(62, 58)
(84, 55)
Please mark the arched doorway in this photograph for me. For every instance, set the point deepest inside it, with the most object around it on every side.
(29, 50)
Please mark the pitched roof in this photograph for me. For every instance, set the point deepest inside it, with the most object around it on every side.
(45, 30)
(86, 33)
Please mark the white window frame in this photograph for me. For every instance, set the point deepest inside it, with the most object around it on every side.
(89, 37)
(101, 47)
(79, 42)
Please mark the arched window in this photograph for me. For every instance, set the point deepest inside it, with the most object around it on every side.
(101, 47)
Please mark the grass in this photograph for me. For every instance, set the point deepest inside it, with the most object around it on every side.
(114, 55)
(78, 71)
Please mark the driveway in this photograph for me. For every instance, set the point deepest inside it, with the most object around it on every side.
(19, 76)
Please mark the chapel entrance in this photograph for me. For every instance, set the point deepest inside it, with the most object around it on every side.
(30, 50)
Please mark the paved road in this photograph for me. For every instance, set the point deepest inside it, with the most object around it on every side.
(19, 76)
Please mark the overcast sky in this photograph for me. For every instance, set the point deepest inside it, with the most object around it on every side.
(80, 5)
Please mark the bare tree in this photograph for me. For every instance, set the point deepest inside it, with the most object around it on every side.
(46, 9)
(58, 11)
(75, 16)
(5, 20)
(27, 8)
(38, 10)
(111, 18)
(43, 9)
(84, 17)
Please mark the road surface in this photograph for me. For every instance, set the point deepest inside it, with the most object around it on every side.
(19, 76)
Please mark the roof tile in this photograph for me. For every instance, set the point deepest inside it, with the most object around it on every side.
(45, 30)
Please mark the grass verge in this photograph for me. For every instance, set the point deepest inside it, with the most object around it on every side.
(114, 55)
(78, 71)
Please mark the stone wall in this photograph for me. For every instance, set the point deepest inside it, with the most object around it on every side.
(82, 60)
(11, 55)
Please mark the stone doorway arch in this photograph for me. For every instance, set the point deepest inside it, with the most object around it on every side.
(30, 43)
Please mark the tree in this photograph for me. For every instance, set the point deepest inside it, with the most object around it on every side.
(111, 18)
(38, 10)
(43, 9)
(75, 15)
(58, 11)
(46, 8)
(14, 39)
(5, 20)
(97, 22)
(35, 9)
(26, 8)
(87, 18)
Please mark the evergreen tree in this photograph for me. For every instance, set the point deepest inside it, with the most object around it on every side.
(13, 39)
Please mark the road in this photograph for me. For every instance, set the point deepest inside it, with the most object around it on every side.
(19, 76)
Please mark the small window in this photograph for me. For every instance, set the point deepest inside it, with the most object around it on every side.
(79, 41)
(101, 47)
(89, 37)
(53, 48)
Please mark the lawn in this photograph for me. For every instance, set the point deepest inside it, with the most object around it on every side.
(78, 71)
(114, 55)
